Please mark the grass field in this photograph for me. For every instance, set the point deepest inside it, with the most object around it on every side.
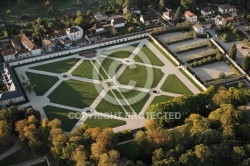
(42, 82)
(74, 93)
(131, 96)
(153, 59)
(58, 67)
(111, 106)
(110, 66)
(128, 150)
(141, 77)
(162, 98)
(174, 85)
(103, 122)
(121, 52)
(86, 70)
(62, 115)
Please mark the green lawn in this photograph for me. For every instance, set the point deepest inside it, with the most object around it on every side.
(136, 99)
(58, 67)
(161, 98)
(128, 150)
(139, 74)
(121, 52)
(103, 122)
(42, 82)
(74, 93)
(111, 106)
(174, 85)
(86, 70)
(153, 59)
(62, 115)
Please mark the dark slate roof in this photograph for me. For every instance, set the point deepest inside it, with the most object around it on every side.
(207, 9)
(16, 44)
(8, 52)
(225, 6)
(150, 17)
(73, 29)
(97, 25)
(119, 20)
(66, 41)
(11, 94)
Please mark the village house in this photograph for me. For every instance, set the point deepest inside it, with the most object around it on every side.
(198, 28)
(14, 93)
(74, 33)
(100, 16)
(29, 45)
(66, 43)
(8, 55)
(207, 12)
(220, 21)
(118, 22)
(226, 8)
(48, 45)
(132, 9)
(168, 15)
(189, 16)
(149, 19)
(236, 20)
(92, 37)
(98, 27)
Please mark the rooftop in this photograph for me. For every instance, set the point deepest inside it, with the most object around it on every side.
(169, 13)
(197, 25)
(118, 20)
(26, 41)
(100, 14)
(97, 25)
(189, 14)
(8, 52)
(225, 6)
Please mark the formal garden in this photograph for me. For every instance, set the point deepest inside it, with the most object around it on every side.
(105, 84)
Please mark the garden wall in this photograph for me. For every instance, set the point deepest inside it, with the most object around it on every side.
(92, 46)
(178, 63)
(231, 60)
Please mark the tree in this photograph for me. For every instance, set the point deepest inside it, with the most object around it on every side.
(110, 158)
(21, 3)
(232, 52)
(235, 31)
(80, 156)
(161, 5)
(229, 25)
(8, 12)
(177, 15)
(221, 75)
(5, 131)
(128, 17)
(131, 29)
(218, 56)
(224, 37)
(246, 63)
(188, 3)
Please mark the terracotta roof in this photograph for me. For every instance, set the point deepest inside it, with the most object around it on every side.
(169, 13)
(189, 14)
(47, 42)
(8, 52)
(197, 25)
(26, 41)
(150, 17)
(118, 20)
(225, 6)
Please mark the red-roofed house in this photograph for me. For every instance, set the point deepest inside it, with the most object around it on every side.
(168, 15)
(198, 29)
(189, 16)
(32, 47)
(8, 55)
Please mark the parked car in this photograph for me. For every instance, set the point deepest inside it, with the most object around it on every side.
(243, 47)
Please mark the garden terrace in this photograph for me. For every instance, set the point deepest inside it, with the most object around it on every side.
(179, 38)
(204, 54)
(192, 46)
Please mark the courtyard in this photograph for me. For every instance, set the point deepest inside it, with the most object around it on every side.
(107, 90)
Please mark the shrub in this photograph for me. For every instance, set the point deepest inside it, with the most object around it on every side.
(194, 63)
(218, 56)
(209, 59)
(200, 62)
(222, 75)
(240, 85)
(204, 60)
